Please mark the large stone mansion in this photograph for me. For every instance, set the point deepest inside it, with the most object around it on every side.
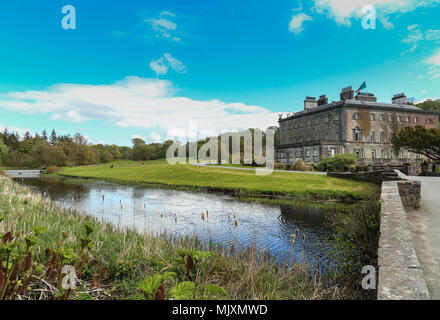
(359, 125)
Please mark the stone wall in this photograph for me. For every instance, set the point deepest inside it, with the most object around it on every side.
(410, 194)
(372, 176)
(400, 276)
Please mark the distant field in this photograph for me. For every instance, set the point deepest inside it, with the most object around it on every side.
(242, 182)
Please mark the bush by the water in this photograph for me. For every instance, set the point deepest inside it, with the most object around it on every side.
(342, 162)
(52, 169)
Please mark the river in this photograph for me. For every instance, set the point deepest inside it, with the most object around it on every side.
(180, 213)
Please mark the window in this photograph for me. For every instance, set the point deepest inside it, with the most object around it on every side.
(332, 152)
(301, 124)
(315, 152)
(416, 120)
(308, 153)
(357, 134)
(358, 152)
(407, 119)
(356, 116)
(390, 118)
(317, 138)
(372, 117)
(384, 154)
(308, 122)
(290, 126)
(429, 121)
(336, 116)
(399, 119)
(382, 117)
(372, 136)
(296, 125)
(382, 136)
(373, 154)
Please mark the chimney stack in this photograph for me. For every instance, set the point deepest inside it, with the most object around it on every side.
(347, 94)
(364, 96)
(323, 100)
(399, 99)
(310, 103)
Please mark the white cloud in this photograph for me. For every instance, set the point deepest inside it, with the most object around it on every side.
(416, 34)
(161, 65)
(164, 26)
(137, 136)
(435, 59)
(434, 65)
(343, 11)
(297, 21)
(20, 131)
(155, 137)
(137, 102)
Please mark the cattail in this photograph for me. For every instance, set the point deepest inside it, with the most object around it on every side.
(160, 294)
(297, 231)
(27, 262)
(236, 223)
(175, 219)
(102, 197)
(292, 238)
(207, 214)
(203, 216)
(235, 216)
(304, 237)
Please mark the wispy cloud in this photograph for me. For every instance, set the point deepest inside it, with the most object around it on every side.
(297, 21)
(161, 65)
(164, 26)
(343, 11)
(138, 103)
(416, 35)
(434, 63)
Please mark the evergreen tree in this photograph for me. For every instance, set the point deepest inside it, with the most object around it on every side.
(53, 138)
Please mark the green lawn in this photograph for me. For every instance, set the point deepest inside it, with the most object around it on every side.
(242, 182)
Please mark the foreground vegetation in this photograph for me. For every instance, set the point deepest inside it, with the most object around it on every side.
(237, 182)
(122, 264)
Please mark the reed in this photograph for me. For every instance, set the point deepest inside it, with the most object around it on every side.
(245, 273)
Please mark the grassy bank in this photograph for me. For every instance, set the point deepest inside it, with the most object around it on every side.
(129, 257)
(159, 173)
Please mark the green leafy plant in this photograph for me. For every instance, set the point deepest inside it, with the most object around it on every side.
(152, 286)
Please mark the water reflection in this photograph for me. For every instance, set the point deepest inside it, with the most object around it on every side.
(180, 213)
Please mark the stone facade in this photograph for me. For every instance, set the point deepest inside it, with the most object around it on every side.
(360, 125)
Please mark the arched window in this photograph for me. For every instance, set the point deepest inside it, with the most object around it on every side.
(429, 121)
(356, 116)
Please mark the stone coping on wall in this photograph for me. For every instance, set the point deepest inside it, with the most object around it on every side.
(400, 276)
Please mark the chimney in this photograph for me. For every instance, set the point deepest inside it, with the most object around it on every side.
(364, 96)
(310, 103)
(347, 94)
(399, 99)
(323, 100)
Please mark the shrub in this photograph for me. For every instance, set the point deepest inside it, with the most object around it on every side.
(339, 163)
(52, 169)
(279, 166)
(2, 173)
(299, 165)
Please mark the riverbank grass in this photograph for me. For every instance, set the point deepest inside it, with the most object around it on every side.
(237, 182)
(131, 257)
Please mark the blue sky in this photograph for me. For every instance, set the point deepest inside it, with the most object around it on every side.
(148, 68)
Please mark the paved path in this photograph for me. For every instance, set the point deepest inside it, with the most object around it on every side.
(253, 169)
(425, 229)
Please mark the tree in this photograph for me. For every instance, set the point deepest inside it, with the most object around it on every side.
(419, 140)
(430, 106)
(44, 135)
(53, 138)
(3, 149)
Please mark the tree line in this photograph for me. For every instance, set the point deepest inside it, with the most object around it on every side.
(43, 150)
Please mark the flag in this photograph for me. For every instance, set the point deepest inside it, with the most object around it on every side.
(362, 87)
